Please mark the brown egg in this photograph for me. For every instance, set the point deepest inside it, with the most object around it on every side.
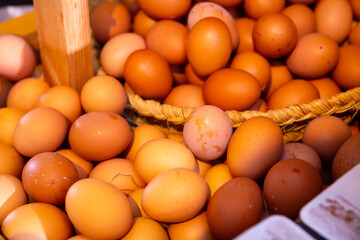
(210, 9)
(334, 18)
(254, 147)
(245, 28)
(175, 195)
(160, 154)
(289, 185)
(178, 72)
(326, 86)
(231, 89)
(103, 93)
(161, 9)
(255, 64)
(297, 91)
(185, 96)
(97, 136)
(168, 38)
(280, 74)
(142, 134)
(258, 8)
(260, 105)
(303, 18)
(9, 117)
(217, 176)
(195, 228)
(116, 51)
(207, 132)
(192, 77)
(355, 8)
(13, 195)
(98, 209)
(83, 166)
(108, 19)
(354, 36)
(306, 2)
(47, 177)
(120, 172)
(326, 134)
(37, 221)
(135, 198)
(347, 156)
(11, 162)
(146, 228)
(346, 73)
(236, 206)
(302, 151)
(274, 35)
(142, 23)
(17, 59)
(39, 130)
(314, 56)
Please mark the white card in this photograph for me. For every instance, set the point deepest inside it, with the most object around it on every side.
(276, 227)
(335, 212)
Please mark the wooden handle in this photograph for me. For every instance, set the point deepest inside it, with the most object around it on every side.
(63, 28)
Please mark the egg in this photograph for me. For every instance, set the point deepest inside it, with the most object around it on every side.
(245, 28)
(314, 56)
(168, 38)
(203, 10)
(354, 35)
(334, 18)
(274, 35)
(185, 96)
(302, 151)
(142, 134)
(175, 195)
(98, 209)
(145, 68)
(236, 206)
(207, 132)
(326, 134)
(161, 154)
(103, 93)
(108, 19)
(37, 221)
(255, 64)
(11, 162)
(346, 157)
(142, 23)
(195, 228)
(232, 89)
(18, 59)
(326, 86)
(39, 130)
(255, 146)
(5, 86)
(25, 94)
(280, 74)
(208, 46)
(115, 52)
(99, 135)
(192, 77)
(120, 172)
(162, 9)
(289, 185)
(135, 198)
(13, 195)
(146, 228)
(258, 8)
(47, 176)
(302, 16)
(9, 117)
(217, 176)
(63, 98)
(346, 72)
(296, 91)
(82, 166)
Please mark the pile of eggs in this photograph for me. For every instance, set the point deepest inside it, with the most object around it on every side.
(72, 167)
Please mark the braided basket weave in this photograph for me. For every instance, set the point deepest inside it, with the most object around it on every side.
(291, 119)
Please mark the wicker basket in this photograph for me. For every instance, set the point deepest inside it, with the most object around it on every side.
(291, 119)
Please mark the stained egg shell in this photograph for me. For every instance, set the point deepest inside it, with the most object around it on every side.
(207, 132)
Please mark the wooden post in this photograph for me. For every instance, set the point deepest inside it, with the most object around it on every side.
(63, 28)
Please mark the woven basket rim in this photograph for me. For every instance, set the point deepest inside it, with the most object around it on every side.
(347, 101)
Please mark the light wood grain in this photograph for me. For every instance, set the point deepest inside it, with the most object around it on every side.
(63, 28)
